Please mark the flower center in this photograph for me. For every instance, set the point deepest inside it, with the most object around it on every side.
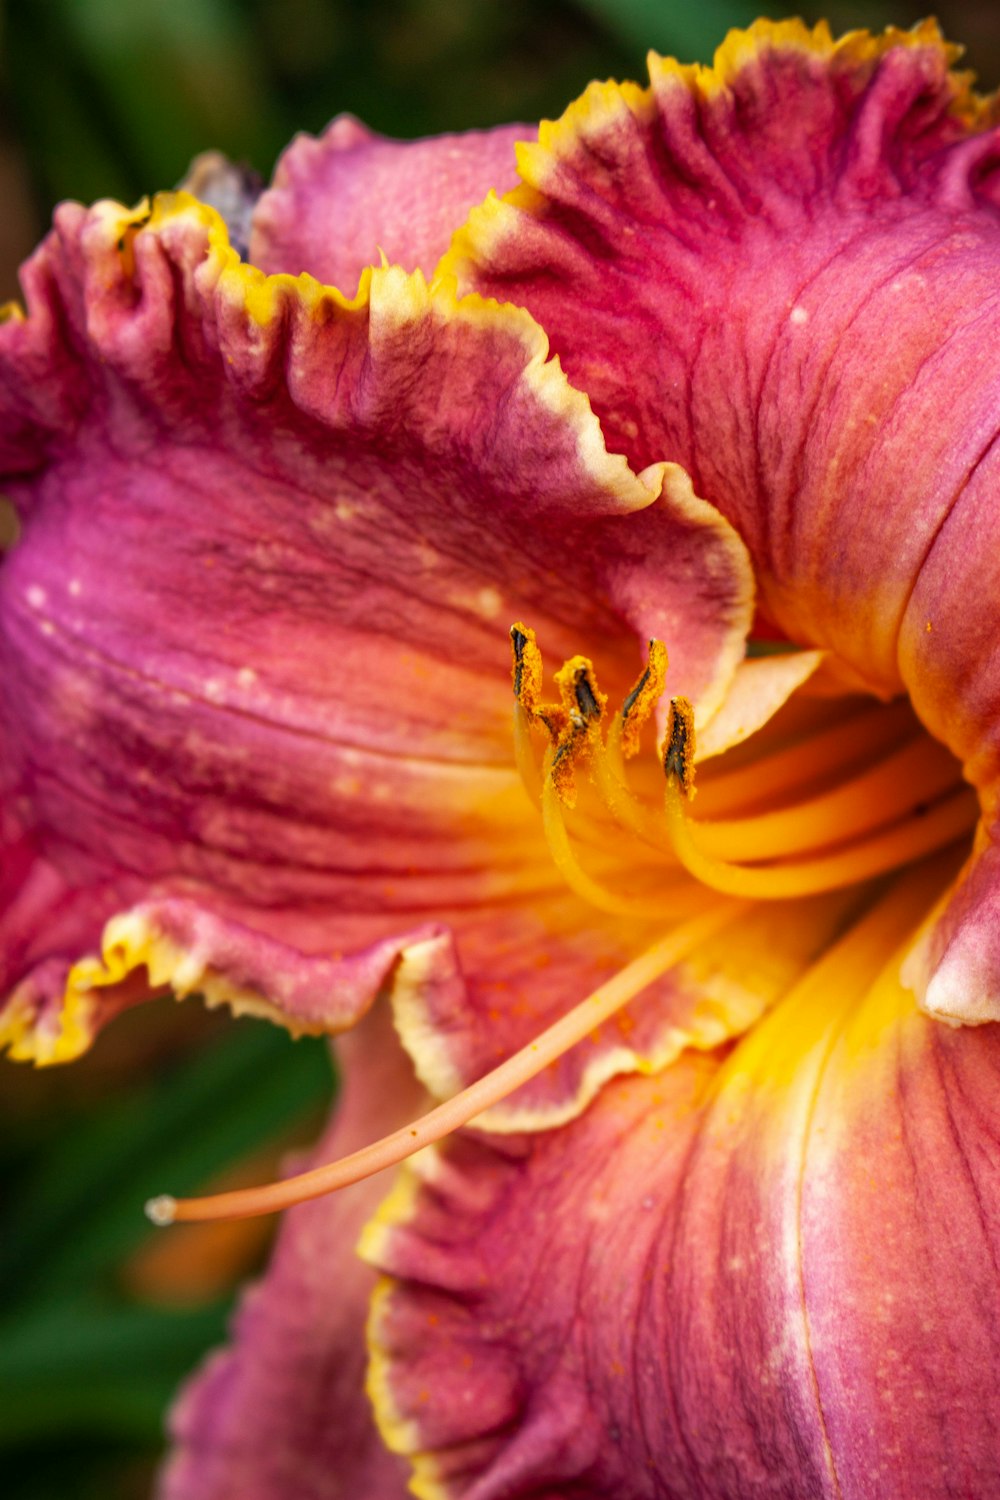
(820, 799)
(827, 806)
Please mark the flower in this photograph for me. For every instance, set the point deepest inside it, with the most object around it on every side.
(740, 1240)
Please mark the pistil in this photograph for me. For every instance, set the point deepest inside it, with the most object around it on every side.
(649, 861)
(462, 1109)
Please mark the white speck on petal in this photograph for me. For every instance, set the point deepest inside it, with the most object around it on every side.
(489, 602)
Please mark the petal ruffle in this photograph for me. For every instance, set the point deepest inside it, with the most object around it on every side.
(340, 201)
(282, 1413)
(536, 965)
(255, 686)
(782, 272)
(770, 1277)
(715, 259)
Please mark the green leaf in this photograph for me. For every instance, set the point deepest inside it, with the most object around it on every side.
(88, 1366)
(691, 32)
(79, 1212)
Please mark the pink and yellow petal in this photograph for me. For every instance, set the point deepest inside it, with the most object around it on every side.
(759, 688)
(340, 201)
(255, 678)
(765, 225)
(531, 966)
(281, 1412)
(758, 1276)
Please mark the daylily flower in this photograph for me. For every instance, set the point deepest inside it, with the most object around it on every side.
(727, 1223)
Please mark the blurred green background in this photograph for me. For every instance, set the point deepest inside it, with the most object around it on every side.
(99, 1318)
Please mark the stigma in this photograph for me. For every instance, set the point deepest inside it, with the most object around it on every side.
(817, 803)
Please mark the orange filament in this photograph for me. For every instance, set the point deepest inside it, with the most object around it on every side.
(670, 901)
(463, 1108)
(925, 830)
(905, 841)
(911, 777)
(524, 754)
(867, 733)
(908, 805)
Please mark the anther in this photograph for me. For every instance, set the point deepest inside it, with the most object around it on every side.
(583, 705)
(678, 749)
(642, 699)
(526, 671)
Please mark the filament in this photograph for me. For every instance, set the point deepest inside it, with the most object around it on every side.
(882, 816)
(865, 735)
(674, 898)
(463, 1108)
(910, 777)
(524, 754)
(909, 840)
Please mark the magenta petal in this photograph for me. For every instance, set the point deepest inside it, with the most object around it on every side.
(764, 1280)
(281, 1414)
(796, 297)
(255, 684)
(517, 1351)
(340, 201)
(782, 273)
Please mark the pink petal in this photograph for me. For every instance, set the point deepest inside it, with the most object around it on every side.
(773, 1278)
(255, 694)
(341, 200)
(795, 296)
(800, 316)
(282, 1413)
(533, 965)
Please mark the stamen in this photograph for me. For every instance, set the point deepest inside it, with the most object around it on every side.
(524, 754)
(463, 1109)
(527, 675)
(678, 749)
(918, 835)
(860, 738)
(670, 900)
(640, 702)
(912, 777)
(526, 671)
(583, 705)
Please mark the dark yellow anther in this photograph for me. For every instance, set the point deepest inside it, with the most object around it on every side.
(678, 748)
(582, 706)
(581, 698)
(642, 699)
(526, 671)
